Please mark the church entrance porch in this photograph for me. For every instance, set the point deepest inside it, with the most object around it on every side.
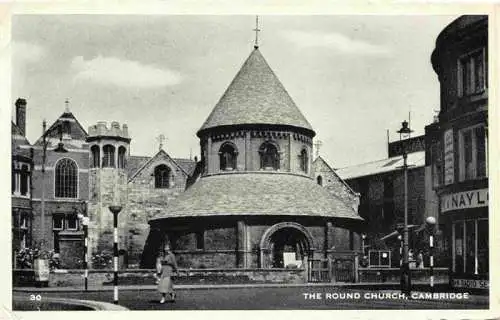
(285, 245)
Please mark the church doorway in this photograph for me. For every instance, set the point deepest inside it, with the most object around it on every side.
(285, 245)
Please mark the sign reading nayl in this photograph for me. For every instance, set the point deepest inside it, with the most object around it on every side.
(464, 200)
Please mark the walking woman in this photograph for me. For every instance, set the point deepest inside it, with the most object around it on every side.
(168, 268)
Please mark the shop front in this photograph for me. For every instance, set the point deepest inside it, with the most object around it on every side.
(466, 216)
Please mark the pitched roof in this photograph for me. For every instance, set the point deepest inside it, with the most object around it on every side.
(319, 158)
(266, 193)
(256, 96)
(18, 139)
(415, 159)
(77, 132)
(187, 165)
(134, 163)
(143, 163)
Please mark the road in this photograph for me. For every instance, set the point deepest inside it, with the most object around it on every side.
(263, 299)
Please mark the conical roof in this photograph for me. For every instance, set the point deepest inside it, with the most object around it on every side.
(256, 96)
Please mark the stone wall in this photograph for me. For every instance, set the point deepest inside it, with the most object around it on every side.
(145, 201)
(248, 144)
(100, 278)
(334, 184)
(108, 187)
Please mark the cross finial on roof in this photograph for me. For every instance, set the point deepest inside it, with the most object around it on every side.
(66, 105)
(257, 30)
(318, 145)
(161, 139)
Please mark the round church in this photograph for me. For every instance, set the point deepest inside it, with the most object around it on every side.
(255, 201)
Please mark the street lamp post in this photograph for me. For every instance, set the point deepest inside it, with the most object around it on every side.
(82, 216)
(405, 132)
(363, 238)
(430, 224)
(400, 238)
(115, 209)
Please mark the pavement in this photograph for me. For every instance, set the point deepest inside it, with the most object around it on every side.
(263, 297)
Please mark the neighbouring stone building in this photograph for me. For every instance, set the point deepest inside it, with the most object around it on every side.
(256, 203)
(457, 148)
(68, 171)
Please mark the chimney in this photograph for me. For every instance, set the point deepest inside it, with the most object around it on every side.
(21, 114)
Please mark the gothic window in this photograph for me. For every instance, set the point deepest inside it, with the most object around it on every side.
(96, 156)
(319, 179)
(66, 183)
(121, 157)
(304, 159)
(108, 160)
(228, 156)
(162, 176)
(269, 157)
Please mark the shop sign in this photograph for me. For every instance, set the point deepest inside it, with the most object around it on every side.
(449, 161)
(464, 200)
(470, 283)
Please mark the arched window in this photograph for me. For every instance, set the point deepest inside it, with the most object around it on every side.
(304, 159)
(108, 160)
(269, 157)
(162, 176)
(121, 157)
(227, 155)
(320, 180)
(66, 184)
(96, 156)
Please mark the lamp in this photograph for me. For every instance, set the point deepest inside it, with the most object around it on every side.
(115, 209)
(430, 224)
(405, 133)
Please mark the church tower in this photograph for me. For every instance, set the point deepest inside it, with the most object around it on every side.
(109, 151)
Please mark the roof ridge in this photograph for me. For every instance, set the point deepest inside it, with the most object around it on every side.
(151, 159)
(385, 159)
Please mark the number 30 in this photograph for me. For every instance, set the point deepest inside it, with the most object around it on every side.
(35, 297)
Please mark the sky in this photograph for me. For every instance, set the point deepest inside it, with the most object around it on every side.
(353, 77)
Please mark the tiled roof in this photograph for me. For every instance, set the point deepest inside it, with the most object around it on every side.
(256, 96)
(415, 159)
(76, 129)
(134, 163)
(187, 164)
(17, 140)
(268, 194)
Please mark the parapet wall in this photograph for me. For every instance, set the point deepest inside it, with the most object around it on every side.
(101, 129)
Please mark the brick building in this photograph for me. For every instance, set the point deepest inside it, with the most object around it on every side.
(256, 203)
(22, 167)
(68, 171)
(457, 148)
